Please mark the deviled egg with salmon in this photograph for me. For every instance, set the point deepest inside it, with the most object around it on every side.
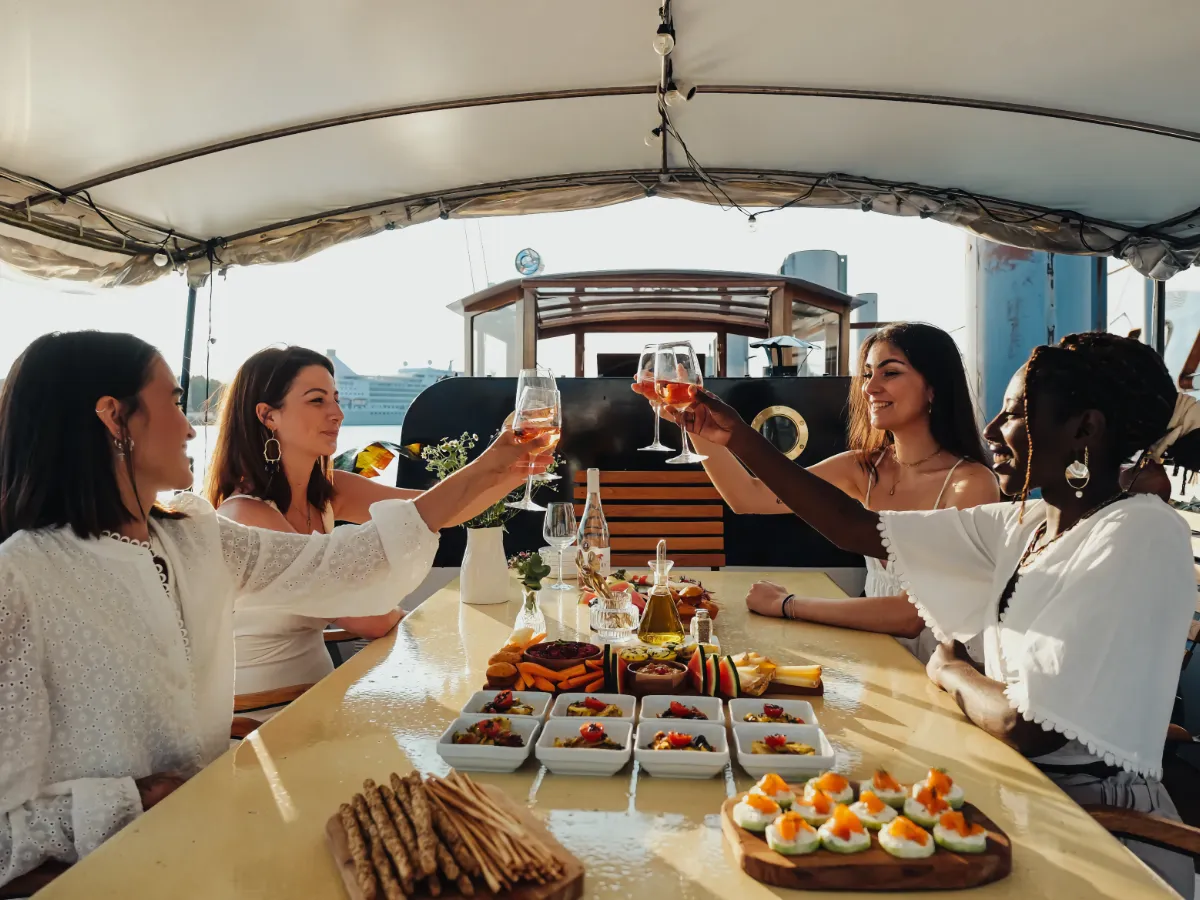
(836, 786)
(815, 807)
(904, 839)
(925, 806)
(938, 780)
(886, 788)
(954, 833)
(754, 812)
(844, 833)
(776, 788)
(792, 836)
(872, 811)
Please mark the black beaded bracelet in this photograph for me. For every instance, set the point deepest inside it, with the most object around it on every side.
(783, 608)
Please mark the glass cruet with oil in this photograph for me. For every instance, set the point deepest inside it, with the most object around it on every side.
(660, 622)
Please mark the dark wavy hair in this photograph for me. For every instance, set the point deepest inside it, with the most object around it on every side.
(933, 353)
(238, 464)
(57, 466)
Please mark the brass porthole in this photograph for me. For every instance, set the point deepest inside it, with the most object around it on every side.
(783, 427)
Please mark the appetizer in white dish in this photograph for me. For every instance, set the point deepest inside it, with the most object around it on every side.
(792, 836)
(938, 780)
(592, 708)
(872, 811)
(495, 732)
(755, 812)
(504, 703)
(775, 788)
(773, 713)
(591, 737)
(815, 808)
(779, 744)
(954, 833)
(925, 806)
(844, 833)
(905, 840)
(836, 786)
(886, 788)
(674, 740)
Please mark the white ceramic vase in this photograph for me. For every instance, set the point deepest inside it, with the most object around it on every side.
(483, 578)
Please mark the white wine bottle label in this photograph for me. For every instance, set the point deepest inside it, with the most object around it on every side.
(603, 564)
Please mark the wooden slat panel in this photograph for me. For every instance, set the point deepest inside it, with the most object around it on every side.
(647, 526)
(655, 511)
(639, 560)
(708, 542)
(614, 477)
(651, 493)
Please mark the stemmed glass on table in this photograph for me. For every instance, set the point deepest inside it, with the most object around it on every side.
(559, 530)
(644, 385)
(538, 414)
(677, 379)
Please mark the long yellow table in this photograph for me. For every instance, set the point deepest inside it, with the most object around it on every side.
(251, 824)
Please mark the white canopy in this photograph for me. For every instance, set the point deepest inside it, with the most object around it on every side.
(231, 133)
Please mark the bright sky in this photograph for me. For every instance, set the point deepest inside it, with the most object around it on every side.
(381, 302)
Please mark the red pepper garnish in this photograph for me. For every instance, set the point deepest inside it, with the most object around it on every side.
(678, 709)
(503, 701)
(592, 732)
(488, 728)
(775, 741)
(593, 703)
(771, 711)
(679, 741)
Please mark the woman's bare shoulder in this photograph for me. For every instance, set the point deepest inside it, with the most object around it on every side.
(973, 485)
(844, 470)
(254, 513)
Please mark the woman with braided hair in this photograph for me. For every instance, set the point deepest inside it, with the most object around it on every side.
(1082, 598)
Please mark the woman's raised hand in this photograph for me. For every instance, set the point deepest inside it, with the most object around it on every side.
(709, 418)
(512, 460)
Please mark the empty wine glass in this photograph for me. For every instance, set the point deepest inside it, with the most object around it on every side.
(677, 379)
(542, 379)
(559, 531)
(643, 383)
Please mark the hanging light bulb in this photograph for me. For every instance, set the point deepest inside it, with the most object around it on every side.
(866, 203)
(664, 39)
(752, 222)
(653, 137)
(677, 96)
(161, 259)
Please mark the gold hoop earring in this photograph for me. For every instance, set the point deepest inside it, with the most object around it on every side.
(272, 447)
(1079, 471)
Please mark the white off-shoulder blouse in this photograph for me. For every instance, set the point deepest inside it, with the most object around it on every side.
(102, 683)
(1093, 637)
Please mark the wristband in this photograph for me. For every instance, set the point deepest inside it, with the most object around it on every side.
(783, 607)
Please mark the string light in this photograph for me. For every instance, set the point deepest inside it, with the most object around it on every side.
(655, 135)
(664, 39)
(677, 96)
(161, 259)
(867, 203)
(752, 222)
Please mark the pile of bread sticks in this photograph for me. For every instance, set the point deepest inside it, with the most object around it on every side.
(440, 834)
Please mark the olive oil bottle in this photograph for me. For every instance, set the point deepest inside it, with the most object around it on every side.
(660, 622)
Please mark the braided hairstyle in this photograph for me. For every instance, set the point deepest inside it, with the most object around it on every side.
(1122, 378)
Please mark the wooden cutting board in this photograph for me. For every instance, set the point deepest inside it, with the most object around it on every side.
(569, 887)
(871, 870)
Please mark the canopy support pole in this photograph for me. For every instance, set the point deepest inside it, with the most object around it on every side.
(1160, 317)
(189, 327)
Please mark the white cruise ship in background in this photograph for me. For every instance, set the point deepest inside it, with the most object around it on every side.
(381, 399)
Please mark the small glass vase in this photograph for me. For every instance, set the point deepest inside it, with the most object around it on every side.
(530, 615)
(614, 620)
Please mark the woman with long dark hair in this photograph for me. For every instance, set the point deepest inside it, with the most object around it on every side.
(913, 444)
(1083, 598)
(116, 648)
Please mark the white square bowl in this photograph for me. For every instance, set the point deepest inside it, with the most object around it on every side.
(583, 761)
(539, 700)
(654, 705)
(627, 702)
(759, 764)
(681, 763)
(801, 709)
(483, 757)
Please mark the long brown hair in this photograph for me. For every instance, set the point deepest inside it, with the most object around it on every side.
(933, 353)
(239, 464)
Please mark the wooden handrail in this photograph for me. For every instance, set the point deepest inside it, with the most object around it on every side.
(267, 699)
(242, 726)
(338, 636)
(1151, 829)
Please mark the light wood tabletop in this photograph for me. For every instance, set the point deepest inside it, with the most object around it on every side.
(251, 824)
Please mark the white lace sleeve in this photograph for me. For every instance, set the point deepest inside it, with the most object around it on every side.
(40, 822)
(358, 570)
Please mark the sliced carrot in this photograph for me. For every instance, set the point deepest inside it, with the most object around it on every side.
(594, 663)
(520, 685)
(577, 681)
(543, 685)
(536, 639)
(574, 671)
(596, 685)
(533, 670)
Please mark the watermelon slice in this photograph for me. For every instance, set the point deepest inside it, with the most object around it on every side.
(696, 671)
(712, 675)
(730, 683)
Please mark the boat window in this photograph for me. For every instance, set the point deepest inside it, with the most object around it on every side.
(820, 328)
(495, 345)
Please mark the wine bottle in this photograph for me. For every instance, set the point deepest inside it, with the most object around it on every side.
(593, 527)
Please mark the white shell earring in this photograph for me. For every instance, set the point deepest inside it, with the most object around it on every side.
(1078, 471)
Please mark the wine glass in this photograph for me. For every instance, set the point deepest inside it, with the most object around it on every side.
(677, 379)
(643, 383)
(559, 532)
(542, 379)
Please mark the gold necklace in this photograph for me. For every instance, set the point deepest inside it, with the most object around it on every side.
(911, 465)
(1033, 551)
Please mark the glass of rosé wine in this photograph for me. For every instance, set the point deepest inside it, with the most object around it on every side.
(644, 385)
(677, 379)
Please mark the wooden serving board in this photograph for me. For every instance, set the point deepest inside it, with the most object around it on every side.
(871, 870)
(569, 887)
(775, 691)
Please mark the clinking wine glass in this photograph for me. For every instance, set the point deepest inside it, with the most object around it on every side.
(541, 378)
(559, 530)
(677, 380)
(644, 385)
(538, 415)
